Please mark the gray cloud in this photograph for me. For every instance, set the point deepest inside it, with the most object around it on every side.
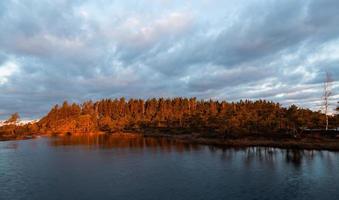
(77, 50)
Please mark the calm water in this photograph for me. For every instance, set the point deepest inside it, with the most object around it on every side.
(138, 168)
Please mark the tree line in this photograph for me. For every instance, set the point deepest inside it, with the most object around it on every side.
(183, 115)
(208, 118)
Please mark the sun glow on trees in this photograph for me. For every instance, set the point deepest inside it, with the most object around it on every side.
(182, 115)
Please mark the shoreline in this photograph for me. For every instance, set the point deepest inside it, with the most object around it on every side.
(14, 138)
(299, 144)
(290, 143)
(286, 144)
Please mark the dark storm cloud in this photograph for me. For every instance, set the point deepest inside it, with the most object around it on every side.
(52, 51)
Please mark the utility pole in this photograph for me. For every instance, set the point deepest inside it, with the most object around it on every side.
(326, 96)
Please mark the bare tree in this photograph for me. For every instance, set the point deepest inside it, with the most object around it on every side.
(326, 96)
(337, 116)
(14, 118)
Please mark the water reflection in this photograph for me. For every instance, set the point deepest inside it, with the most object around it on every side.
(295, 156)
(131, 141)
(135, 167)
(268, 156)
(11, 146)
(272, 156)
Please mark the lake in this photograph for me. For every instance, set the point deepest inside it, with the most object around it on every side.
(133, 167)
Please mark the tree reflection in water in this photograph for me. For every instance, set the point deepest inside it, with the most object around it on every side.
(269, 156)
(125, 141)
(249, 155)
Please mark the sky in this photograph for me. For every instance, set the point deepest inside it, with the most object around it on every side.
(78, 50)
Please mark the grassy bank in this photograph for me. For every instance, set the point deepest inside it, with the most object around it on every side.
(287, 143)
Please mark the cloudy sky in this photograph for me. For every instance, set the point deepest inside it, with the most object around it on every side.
(75, 50)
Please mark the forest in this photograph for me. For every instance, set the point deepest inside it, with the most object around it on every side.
(178, 116)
